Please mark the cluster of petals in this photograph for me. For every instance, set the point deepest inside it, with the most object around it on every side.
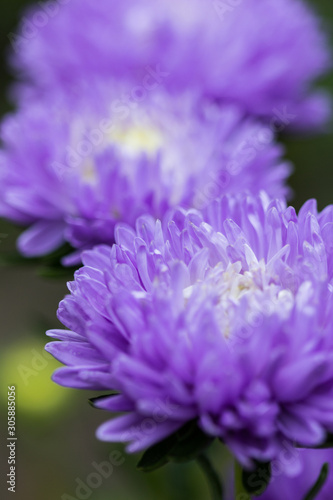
(249, 52)
(224, 316)
(71, 174)
(306, 465)
(135, 107)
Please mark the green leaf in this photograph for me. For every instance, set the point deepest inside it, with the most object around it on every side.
(92, 401)
(191, 442)
(256, 481)
(184, 445)
(157, 455)
(313, 492)
(215, 485)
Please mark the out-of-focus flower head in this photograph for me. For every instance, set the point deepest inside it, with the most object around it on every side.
(71, 174)
(223, 316)
(289, 487)
(261, 55)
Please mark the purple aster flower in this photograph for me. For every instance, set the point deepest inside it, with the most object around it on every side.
(71, 175)
(224, 316)
(261, 55)
(291, 488)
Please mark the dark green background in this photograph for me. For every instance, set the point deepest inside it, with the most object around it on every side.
(56, 442)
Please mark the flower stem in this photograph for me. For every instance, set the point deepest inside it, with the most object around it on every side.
(213, 480)
(240, 491)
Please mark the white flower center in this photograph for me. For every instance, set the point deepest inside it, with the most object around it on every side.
(243, 297)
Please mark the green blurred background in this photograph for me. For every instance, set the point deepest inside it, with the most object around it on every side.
(55, 426)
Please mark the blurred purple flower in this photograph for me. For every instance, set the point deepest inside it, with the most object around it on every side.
(71, 175)
(261, 55)
(297, 486)
(230, 323)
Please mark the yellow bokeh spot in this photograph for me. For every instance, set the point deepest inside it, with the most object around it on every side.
(134, 140)
(29, 368)
(89, 174)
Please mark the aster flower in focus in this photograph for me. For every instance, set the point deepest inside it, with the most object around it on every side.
(249, 53)
(144, 141)
(222, 317)
(71, 175)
